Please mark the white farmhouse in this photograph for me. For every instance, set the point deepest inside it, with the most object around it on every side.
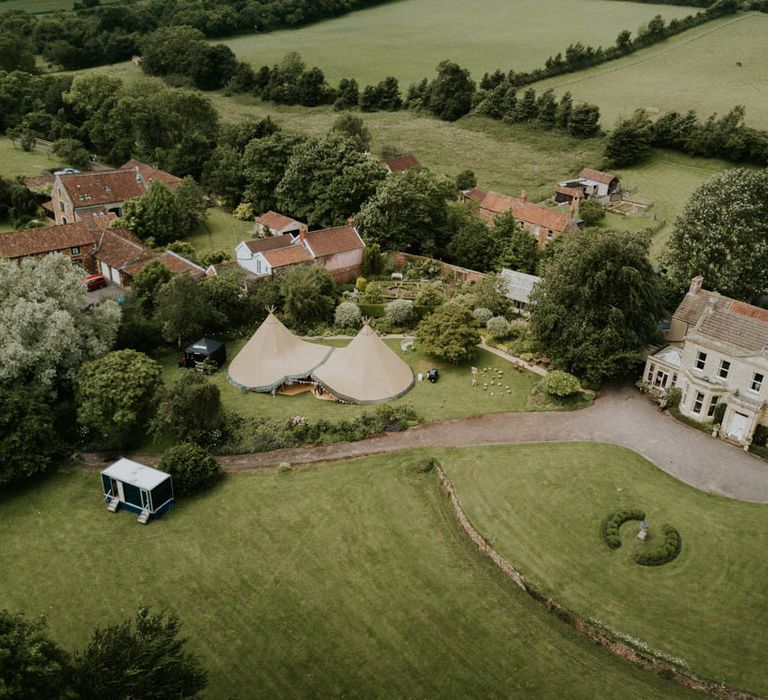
(717, 352)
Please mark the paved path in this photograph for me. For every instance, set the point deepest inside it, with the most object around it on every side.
(621, 416)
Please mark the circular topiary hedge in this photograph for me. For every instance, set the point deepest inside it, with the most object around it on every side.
(665, 551)
(613, 523)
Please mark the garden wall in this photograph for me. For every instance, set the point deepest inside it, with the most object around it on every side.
(457, 274)
(644, 658)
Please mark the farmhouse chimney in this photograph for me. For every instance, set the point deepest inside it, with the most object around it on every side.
(696, 283)
(351, 221)
(302, 235)
(524, 195)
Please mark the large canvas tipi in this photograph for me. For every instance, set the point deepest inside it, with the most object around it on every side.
(366, 371)
(274, 355)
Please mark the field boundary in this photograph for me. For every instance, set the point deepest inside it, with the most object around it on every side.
(637, 653)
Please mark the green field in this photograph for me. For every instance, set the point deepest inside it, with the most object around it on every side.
(408, 39)
(43, 6)
(695, 70)
(346, 580)
(542, 506)
(16, 161)
(433, 401)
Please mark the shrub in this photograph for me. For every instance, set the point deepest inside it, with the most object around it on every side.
(449, 333)
(667, 550)
(243, 212)
(360, 284)
(559, 383)
(284, 468)
(373, 293)
(430, 296)
(760, 436)
(720, 412)
(482, 314)
(591, 212)
(674, 396)
(499, 327)
(348, 315)
(191, 468)
(399, 312)
(613, 523)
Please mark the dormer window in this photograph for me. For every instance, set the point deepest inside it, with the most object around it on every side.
(701, 360)
(724, 368)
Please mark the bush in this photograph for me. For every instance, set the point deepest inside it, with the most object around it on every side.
(760, 436)
(613, 523)
(674, 396)
(430, 296)
(499, 327)
(373, 293)
(348, 315)
(719, 412)
(399, 312)
(591, 212)
(482, 315)
(560, 384)
(360, 284)
(191, 468)
(243, 212)
(665, 551)
(449, 333)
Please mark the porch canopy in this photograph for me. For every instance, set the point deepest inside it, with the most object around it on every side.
(366, 371)
(273, 356)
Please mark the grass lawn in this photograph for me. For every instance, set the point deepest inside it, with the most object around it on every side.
(345, 580)
(221, 231)
(408, 39)
(695, 70)
(16, 161)
(542, 507)
(433, 401)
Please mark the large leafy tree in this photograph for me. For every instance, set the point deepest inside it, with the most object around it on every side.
(31, 664)
(309, 294)
(473, 244)
(449, 333)
(630, 140)
(451, 92)
(598, 305)
(354, 128)
(115, 396)
(264, 162)
(518, 249)
(722, 234)
(409, 212)
(28, 440)
(157, 215)
(16, 53)
(327, 180)
(183, 310)
(192, 468)
(48, 327)
(142, 658)
(189, 409)
(146, 285)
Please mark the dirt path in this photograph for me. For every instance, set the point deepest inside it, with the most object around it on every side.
(621, 416)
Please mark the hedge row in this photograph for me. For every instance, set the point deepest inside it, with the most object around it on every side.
(614, 522)
(665, 552)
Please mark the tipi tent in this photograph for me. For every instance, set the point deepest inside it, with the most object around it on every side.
(366, 371)
(274, 355)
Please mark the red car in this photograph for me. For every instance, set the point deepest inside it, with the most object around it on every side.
(95, 282)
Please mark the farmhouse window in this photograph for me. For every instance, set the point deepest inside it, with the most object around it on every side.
(757, 382)
(651, 369)
(75, 250)
(712, 405)
(725, 366)
(61, 206)
(701, 360)
(698, 402)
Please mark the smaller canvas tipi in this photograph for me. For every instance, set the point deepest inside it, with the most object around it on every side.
(366, 371)
(274, 355)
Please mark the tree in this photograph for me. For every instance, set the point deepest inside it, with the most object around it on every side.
(73, 153)
(430, 296)
(309, 295)
(33, 665)
(491, 293)
(327, 180)
(185, 249)
(546, 107)
(449, 333)
(584, 121)
(591, 212)
(226, 293)
(348, 95)
(48, 329)
(451, 92)
(192, 200)
(518, 248)
(630, 141)
(115, 396)
(353, 128)
(722, 234)
(146, 657)
(28, 440)
(466, 180)
(183, 310)
(192, 469)
(597, 308)
(560, 384)
(473, 244)
(264, 163)
(16, 53)
(564, 111)
(156, 215)
(408, 212)
(146, 285)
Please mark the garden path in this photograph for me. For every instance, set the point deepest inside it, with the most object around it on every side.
(620, 416)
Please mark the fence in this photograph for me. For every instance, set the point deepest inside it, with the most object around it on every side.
(457, 274)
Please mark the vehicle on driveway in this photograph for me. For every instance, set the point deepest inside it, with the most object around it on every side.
(95, 282)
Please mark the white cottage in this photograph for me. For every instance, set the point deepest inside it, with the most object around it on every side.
(717, 353)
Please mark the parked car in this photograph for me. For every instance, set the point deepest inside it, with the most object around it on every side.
(66, 171)
(95, 282)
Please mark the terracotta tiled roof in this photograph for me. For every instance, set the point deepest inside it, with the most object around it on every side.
(287, 256)
(476, 194)
(726, 320)
(597, 176)
(120, 249)
(260, 245)
(37, 241)
(400, 164)
(177, 263)
(536, 215)
(492, 202)
(149, 174)
(276, 221)
(570, 191)
(331, 241)
(41, 181)
(99, 188)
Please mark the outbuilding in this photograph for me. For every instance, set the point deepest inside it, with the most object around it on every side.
(205, 349)
(136, 487)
